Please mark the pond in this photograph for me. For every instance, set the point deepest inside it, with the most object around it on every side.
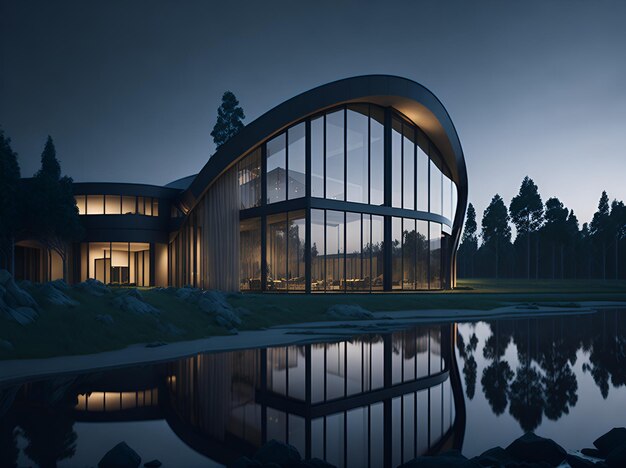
(370, 400)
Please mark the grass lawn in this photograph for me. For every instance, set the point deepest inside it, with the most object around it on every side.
(66, 331)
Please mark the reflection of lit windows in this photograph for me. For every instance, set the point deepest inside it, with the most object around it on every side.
(116, 401)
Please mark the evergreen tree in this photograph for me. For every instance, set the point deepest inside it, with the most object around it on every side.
(555, 229)
(229, 120)
(469, 242)
(573, 240)
(617, 221)
(9, 200)
(53, 215)
(496, 231)
(600, 229)
(526, 210)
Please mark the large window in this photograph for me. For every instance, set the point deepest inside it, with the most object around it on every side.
(357, 138)
(396, 163)
(317, 157)
(423, 168)
(125, 263)
(285, 251)
(277, 169)
(249, 175)
(411, 252)
(296, 153)
(435, 256)
(377, 165)
(335, 155)
(436, 182)
(116, 205)
(250, 255)
(335, 226)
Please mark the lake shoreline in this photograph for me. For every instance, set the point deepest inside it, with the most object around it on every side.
(16, 371)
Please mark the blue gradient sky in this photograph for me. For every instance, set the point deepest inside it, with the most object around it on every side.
(129, 90)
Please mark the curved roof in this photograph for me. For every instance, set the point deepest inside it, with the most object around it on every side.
(410, 98)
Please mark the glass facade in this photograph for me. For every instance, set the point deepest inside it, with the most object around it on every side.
(116, 205)
(380, 207)
(118, 263)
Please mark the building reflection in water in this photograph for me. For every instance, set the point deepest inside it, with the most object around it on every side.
(332, 401)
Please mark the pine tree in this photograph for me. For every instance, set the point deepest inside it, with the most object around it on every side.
(600, 227)
(496, 231)
(230, 118)
(469, 242)
(9, 201)
(52, 211)
(526, 210)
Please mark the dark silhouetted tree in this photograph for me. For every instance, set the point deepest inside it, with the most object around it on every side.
(52, 213)
(526, 210)
(496, 231)
(599, 229)
(469, 243)
(229, 119)
(9, 203)
(617, 222)
(555, 231)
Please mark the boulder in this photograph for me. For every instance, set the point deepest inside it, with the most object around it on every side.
(534, 449)
(277, 452)
(611, 440)
(105, 318)
(60, 284)
(22, 315)
(131, 304)
(214, 303)
(25, 284)
(189, 294)
(120, 456)
(579, 462)
(6, 345)
(591, 452)
(494, 457)
(5, 276)
(93, 287)
(134, 292)
(451, 458)
(617, 457)
(14, 296)
(56, 296)
(349, 311)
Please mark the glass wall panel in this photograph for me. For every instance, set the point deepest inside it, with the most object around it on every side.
(454, 200)
(249, 175)
(129, 205)
(357, 153)
(276, 169)
(335, 250)
(297, 154)
(317, 157)
(447, 197)
(112, 204)
(409, 253)
(155, 207)
(318, 249)
(435, 185)
(81, 204)
(335, 155)
(396, 163)
(295, 254)
(422, 249)
(377, 165)
(366, 249)
(276, 252)
(95, 204)
(250, 254)
(355, 279)
(396, 253)
(377, 252)
(141, 207)
(408, 168)
(423, 192)
(148, 206)
(435, 256)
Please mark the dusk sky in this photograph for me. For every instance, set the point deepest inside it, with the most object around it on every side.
(129, 90)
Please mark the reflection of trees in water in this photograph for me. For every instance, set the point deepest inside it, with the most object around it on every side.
(466, 351)
(544, 383)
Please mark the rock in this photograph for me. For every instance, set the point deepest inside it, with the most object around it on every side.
(22, 315)
(5, 276)
(25, 284)
(188, 294)
(14, 296)
(60, 284)
(120, 456)
(56, 296)
(277, 452)
(579, 462)
(532, 448)
(611, 440)
(134, 292)
(93, 287)
(215, 303)
(245, 462)
(233, 331)
(591, 452)
(348, 311)
(153, 464)
(105, 318)
(131, 304)
(617, 457)
(494, 457)
(6, 345)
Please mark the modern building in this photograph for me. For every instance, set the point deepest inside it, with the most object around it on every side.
(359, 185)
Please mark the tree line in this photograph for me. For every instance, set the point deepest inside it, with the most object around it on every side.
(41, 208)
(549, 241)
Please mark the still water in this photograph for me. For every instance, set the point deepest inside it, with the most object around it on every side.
(370, 400)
